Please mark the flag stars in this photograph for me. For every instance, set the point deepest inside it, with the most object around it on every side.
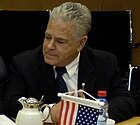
(86, 115)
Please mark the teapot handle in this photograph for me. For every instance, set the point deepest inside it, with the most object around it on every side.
(45, 111)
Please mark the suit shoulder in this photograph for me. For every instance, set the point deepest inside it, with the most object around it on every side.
(29, 54)
(99, 53)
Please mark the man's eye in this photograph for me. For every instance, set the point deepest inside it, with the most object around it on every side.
(60, 41)
(47, 37)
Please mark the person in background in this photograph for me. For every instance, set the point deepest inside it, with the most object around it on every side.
(3, 82)
(137, 98)
(32, 73)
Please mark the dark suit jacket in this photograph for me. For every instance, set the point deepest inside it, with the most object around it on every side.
(31, 77)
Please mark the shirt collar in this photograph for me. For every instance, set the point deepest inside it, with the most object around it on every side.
(72, 67)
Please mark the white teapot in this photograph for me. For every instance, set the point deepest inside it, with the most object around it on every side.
(31, 113)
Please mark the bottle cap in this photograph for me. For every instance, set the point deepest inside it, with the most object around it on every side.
(102, 93)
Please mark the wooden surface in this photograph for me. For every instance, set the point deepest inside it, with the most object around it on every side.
(132, 121)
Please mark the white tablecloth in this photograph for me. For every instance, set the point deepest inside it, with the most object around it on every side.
(5, 120)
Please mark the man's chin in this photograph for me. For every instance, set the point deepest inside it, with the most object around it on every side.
(50, 62)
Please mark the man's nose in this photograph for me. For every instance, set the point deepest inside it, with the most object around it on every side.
(51, 44)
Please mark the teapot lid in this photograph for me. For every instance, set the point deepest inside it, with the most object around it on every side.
(30, 102)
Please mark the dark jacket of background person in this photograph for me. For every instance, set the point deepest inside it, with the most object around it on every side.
(31, 77)
(137, 98)
(3, 83)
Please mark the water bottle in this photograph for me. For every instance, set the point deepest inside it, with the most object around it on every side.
(103, 112)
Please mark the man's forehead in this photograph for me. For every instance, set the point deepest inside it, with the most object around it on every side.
(63, 33)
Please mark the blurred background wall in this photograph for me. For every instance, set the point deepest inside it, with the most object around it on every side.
(94, 5)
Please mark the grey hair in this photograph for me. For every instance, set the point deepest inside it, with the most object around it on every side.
(75, 12)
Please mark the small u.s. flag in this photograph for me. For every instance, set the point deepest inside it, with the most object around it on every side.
(72, 113)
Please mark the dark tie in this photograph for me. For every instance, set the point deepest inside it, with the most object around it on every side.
(60, 83)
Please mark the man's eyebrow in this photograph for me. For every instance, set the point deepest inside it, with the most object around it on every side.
(62, 39)
(46, 33)
(58, 38)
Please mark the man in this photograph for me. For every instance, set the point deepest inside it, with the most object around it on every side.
(33, 72)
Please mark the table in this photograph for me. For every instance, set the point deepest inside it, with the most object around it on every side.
(49, 124)
(132, 121)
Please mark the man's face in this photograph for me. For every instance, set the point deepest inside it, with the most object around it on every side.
(60, 45)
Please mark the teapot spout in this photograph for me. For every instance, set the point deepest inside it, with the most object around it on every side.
(22, 100)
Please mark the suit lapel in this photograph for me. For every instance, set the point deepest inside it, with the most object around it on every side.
(46, 81)
(86, 72)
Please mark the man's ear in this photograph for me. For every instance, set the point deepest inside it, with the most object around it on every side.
(82, 43)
